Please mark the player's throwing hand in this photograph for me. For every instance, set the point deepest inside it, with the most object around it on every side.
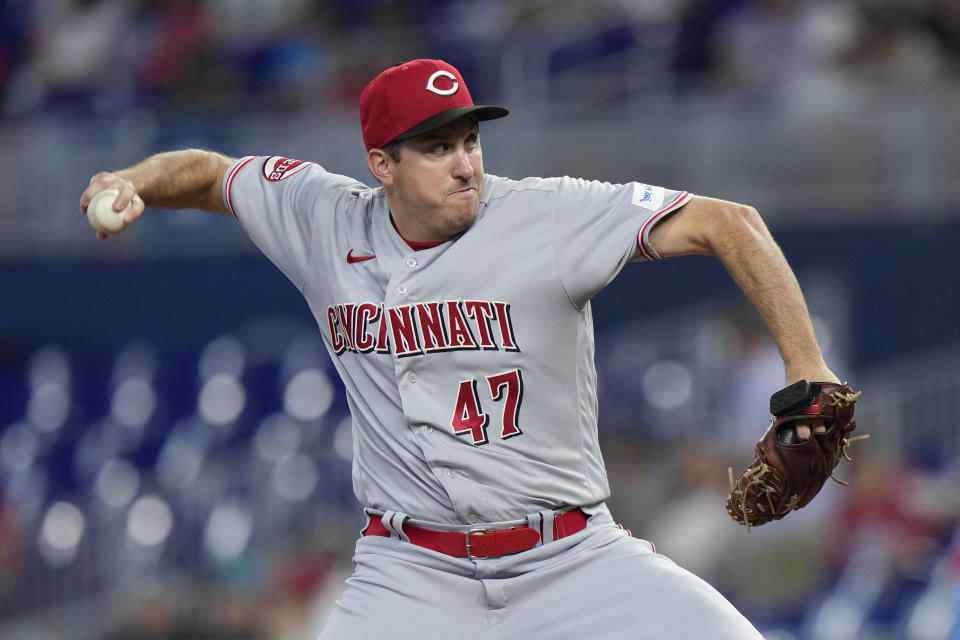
(127, 204)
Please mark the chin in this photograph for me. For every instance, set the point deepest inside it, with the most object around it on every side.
(464, 219)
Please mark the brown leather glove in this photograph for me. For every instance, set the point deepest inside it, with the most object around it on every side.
(786, 474)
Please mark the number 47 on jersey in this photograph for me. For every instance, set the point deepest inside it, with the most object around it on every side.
(468, 416)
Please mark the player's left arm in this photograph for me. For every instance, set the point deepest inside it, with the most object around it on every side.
(738, 237)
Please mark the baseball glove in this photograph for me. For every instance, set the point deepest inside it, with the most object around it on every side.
(786, 474)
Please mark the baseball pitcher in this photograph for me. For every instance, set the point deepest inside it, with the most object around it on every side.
(455, 305)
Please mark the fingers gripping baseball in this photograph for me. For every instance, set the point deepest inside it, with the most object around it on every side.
(117, 206)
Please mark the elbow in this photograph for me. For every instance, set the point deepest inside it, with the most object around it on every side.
(750, 216)
(735, 225)
(736, 214)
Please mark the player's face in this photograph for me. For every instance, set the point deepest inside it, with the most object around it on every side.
(438, 182)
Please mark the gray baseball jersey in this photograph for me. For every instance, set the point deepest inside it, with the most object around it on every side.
(469, 373)
(468, 366)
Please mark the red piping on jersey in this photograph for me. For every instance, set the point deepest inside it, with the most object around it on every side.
(233, 174)
(667, 209)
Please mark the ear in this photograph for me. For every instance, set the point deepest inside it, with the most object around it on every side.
(381, 166)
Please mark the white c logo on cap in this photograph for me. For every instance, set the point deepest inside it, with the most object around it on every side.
(443, 92)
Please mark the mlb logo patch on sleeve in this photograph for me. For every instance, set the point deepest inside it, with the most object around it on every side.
(276, 168)
(647, 196)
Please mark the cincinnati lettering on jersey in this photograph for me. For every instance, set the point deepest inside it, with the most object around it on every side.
(424, 327)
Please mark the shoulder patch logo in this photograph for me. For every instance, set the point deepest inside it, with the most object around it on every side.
(648, 197)
(276, 168)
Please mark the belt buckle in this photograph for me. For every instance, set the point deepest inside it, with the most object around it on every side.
(472, 532)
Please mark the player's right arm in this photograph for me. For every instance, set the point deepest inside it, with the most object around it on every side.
(186, 179)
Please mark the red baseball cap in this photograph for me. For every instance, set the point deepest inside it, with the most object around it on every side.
(415, 97)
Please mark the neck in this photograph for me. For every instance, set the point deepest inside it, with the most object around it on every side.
(416, 245)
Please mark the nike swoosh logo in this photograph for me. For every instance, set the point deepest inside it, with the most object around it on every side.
(352, 258)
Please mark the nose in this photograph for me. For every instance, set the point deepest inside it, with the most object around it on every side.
(462, 167)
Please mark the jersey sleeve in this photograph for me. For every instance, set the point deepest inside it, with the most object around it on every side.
(599, 227)
(280, 203)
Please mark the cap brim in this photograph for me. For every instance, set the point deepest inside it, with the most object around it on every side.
(482, 112)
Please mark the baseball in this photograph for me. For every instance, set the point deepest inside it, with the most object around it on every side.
(101, 214)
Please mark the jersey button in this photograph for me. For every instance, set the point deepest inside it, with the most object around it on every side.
(411, 262)
(427, 428)
(402, 289)
(472, 518)
(451, 472)
(412, 377)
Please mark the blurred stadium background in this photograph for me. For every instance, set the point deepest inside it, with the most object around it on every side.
(174, 446)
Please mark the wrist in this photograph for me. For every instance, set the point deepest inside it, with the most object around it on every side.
(810, 374)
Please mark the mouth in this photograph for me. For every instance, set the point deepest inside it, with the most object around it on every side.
(464, 191)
